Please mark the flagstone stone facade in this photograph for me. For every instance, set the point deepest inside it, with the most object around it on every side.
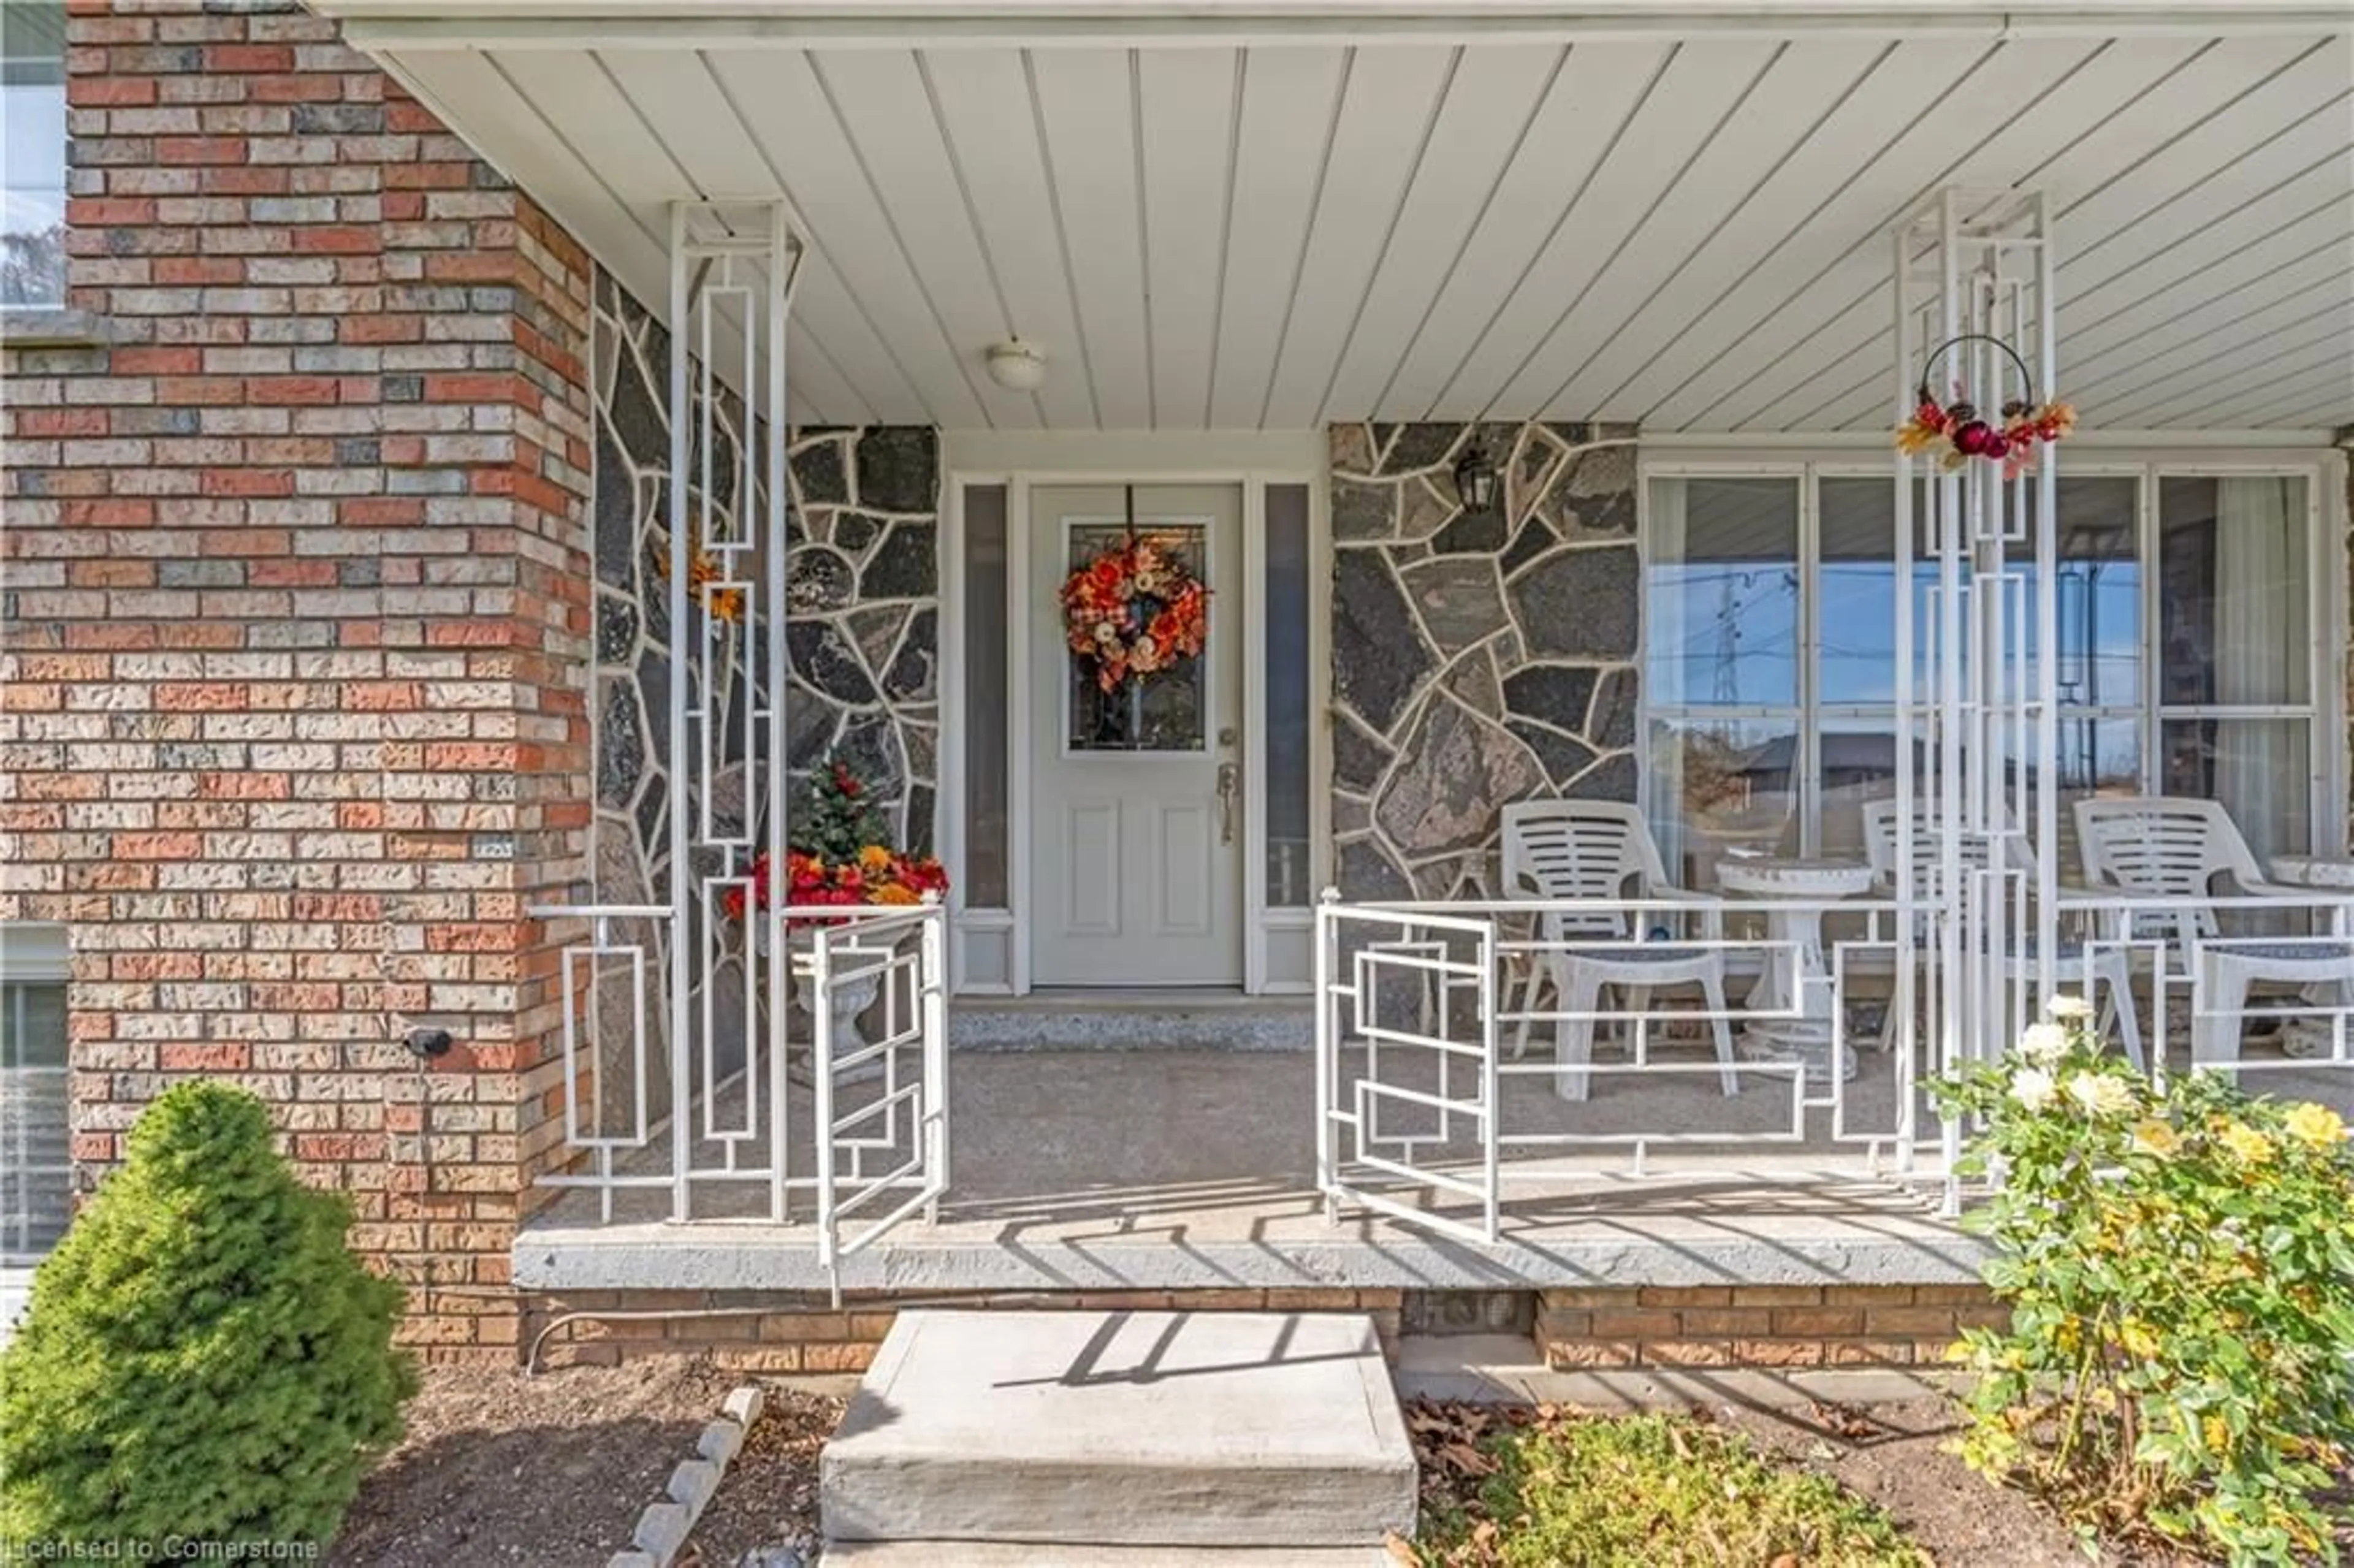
(861, 599)
(1478, 658)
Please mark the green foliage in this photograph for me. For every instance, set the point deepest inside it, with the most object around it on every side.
(2179, 1266)
(836, 818)
(1647, 1491)
(202, 1357)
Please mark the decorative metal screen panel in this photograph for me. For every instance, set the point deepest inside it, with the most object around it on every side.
(711, 1045)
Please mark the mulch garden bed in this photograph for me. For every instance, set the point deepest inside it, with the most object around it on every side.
(770, 1498)
(554, 1469)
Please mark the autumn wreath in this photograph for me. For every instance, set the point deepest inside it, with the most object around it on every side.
(2010, 438)
(1135, 610)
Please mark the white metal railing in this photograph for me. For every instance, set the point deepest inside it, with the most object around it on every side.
(1418, 1007)
(2302, 939)
(819, 1121)
(1425, 965)
(902, 1123)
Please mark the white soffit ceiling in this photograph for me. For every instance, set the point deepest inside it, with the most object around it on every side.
(1686, 229)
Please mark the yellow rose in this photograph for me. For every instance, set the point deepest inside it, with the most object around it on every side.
(2245, 1141)
(2097, 1093)
(873, 859)
(2218, 1436)
(2155, 1137)
(2138, 1338)
(2315, 1125)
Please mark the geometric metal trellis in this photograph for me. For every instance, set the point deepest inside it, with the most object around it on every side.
(1976, 654)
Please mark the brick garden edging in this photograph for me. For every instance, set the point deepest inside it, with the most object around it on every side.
(661, 1530)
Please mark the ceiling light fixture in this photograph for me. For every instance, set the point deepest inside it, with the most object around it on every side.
(1016, 365)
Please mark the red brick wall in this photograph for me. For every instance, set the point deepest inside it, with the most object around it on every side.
(293, 649)
(1759, 1325)
(770, 1331)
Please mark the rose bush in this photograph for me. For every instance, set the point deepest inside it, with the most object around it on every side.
(2179, 1260)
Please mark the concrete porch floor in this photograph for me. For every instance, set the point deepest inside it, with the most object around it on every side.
(1181, 1170)
(1142, 1169)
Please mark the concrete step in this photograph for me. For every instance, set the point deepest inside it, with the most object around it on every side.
(1102, 1429)
(1036, 1554)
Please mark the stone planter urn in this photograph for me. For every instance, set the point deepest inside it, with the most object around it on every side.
(851, 1001)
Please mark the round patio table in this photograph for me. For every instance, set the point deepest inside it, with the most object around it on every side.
(2324, 873)
(1805, 1034)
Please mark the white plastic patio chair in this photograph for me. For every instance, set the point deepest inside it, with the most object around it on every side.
(2188, 852)
(2112, 975)
(1562, 851)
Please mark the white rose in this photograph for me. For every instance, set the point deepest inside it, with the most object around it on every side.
(2043, 1044)
(2068, 1007)
(2032, 1088)
(2100, 1095)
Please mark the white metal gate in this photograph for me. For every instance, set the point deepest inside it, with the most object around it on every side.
(882, 1122)
(1418, 989)
(692, 1085)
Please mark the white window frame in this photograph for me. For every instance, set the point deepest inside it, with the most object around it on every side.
(2324, 476)
(31, 955)
(65, 162)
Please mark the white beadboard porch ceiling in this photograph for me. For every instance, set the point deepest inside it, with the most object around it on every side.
(1275, 226)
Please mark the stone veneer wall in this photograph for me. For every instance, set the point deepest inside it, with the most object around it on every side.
(294, 645)
(1477, 659)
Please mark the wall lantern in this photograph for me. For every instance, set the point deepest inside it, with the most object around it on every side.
(1475, 478)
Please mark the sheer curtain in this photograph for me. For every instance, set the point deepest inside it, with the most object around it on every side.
(2261, 651)
(1666, 634)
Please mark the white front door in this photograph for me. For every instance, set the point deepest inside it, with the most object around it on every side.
(1136, 795)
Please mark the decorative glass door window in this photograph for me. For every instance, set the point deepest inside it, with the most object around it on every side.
(1166, 710)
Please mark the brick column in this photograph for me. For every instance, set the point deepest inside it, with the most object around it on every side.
(293, 654)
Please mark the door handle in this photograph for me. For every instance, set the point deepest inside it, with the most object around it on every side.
(1227, 776)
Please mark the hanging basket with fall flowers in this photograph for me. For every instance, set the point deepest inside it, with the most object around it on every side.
(840, 855)
(1135, 610)
(1958, 431)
